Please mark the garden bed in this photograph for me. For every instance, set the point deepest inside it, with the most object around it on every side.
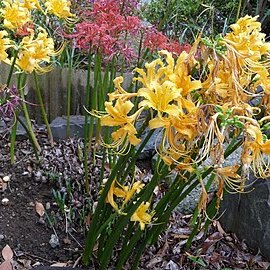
(29, 234)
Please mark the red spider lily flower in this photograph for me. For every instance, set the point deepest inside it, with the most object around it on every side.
(155, 40)
(106, 30)
(25, 30)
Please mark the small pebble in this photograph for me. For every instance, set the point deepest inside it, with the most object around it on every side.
(6, 178)
(5, 201)
(54, 241)
(2, 237)
(48, 206)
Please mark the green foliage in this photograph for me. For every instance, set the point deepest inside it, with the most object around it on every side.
(185, 18)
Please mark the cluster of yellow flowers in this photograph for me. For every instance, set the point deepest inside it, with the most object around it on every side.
(35, 49)
(126, 193)
(201, 99)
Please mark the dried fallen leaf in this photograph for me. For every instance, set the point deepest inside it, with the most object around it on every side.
(154, 261)
(211, 240)
(264, 265)
(6, 265)
(3, 185)
(25, 263)
(88, 220)
(59, 264)
(7, 253)
(40, 209)
(67, 241)
(217, 224)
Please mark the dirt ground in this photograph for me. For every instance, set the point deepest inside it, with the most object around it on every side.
(20, 226)
(28, 231)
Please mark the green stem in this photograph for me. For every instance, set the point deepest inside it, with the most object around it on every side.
(69, 93)
(126, 250)
(238, 9)
(143, 196)
(170, 200)
(26, 115)
(30, 138)
(42, 107)
(13, 139)
(92, 233)
(86, 124)
(12, 68)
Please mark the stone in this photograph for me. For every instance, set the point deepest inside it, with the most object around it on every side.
(248, 215)
(21, 133)
(152, 144)
(59, 127)
(54, 241)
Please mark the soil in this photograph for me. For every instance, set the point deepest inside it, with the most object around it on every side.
(20, 226)
(28, 231)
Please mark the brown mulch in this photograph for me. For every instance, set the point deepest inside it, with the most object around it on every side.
(28, 231)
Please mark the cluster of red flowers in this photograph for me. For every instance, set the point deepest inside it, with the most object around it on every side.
(111, 28)
(105, 29)
(155, 40)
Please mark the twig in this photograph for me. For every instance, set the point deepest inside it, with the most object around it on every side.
(77, 262)
(37, 257)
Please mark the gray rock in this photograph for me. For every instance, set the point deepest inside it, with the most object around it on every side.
(2, 237)
(152, 144)
(21, 132)
(248, 215)
(54, 241)
(171, 265)
(59, 127)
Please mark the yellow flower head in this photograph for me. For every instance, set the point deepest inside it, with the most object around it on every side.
(141, 216)
(32, 4)
(15, 14)
(256, 150)
(247, 39)
(117, 115)
(124, 192)
(5, 43)
(116, 190)
(35, 52)
(59, 8)
(120, 91)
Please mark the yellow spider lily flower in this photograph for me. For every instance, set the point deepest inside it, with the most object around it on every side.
(173, 77)
(120, 92)
(181, 77)
(5, 43)
(160, 98)
(123, 192)
(152, 75)
(15, 14)
(32, 4)
(116, 190)
(35, 52)
(256, 150)
(247, 39)
(59, 8)
(232, 179)
(136, 188)
(118, 116)
(141, 216)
